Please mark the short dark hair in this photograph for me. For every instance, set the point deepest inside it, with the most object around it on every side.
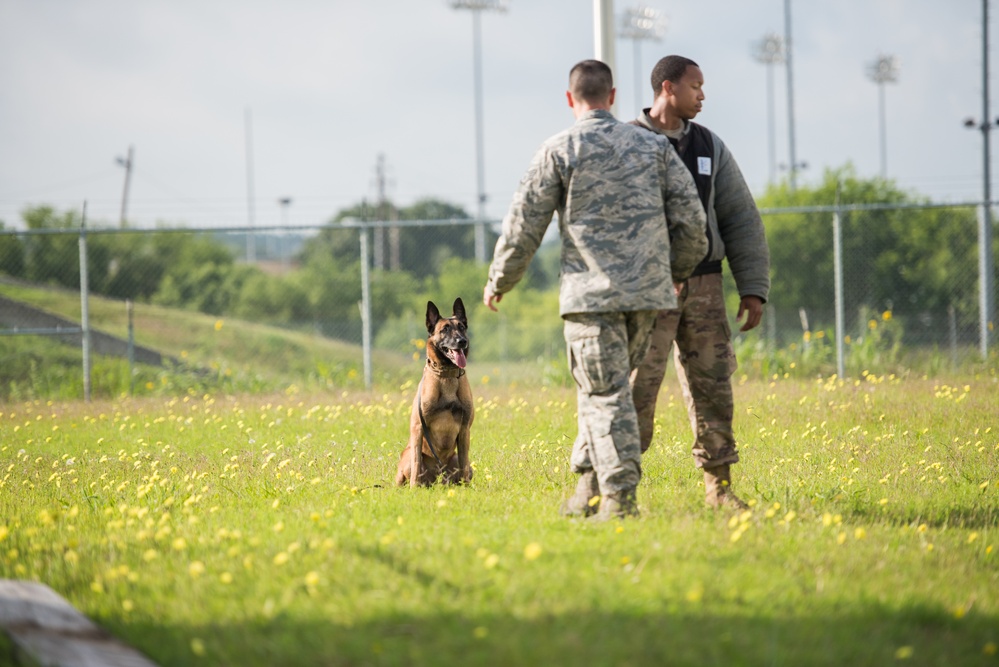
(670, 68)
(591, 80)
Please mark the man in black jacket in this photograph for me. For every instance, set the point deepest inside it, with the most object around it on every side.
(705, 359)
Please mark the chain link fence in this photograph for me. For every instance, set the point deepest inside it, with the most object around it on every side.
(855, 288)
(880, 284)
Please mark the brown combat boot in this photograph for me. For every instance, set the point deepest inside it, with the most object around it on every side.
(617, 505)
(579, 503)
(718, 489)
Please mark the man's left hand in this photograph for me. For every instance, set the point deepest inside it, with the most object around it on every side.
(752, 307)
(490, 298)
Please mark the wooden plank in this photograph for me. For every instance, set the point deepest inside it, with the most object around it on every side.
(49, 629)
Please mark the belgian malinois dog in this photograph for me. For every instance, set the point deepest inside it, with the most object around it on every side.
(441, 420)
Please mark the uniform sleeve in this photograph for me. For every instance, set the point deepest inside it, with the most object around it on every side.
(685, 217)
(536, 200)
(741, 229)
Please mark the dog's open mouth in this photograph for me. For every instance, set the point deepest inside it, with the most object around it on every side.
(457, 356)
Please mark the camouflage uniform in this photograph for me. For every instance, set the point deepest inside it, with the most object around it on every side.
(611, 184)
(603, 350)
(705, 362)
(704, 356)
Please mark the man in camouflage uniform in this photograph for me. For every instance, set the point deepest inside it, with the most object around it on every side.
(705, 359)
(621, 194)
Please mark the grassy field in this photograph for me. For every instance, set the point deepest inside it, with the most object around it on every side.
(239, 530)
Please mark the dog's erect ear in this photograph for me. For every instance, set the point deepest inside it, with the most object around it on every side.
(433, 315)
(459, 311)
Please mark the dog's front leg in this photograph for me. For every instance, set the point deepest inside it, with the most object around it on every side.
(416, 471)
(464, 467)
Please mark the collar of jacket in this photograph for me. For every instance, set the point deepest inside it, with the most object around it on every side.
(646, 121)
(596, 113)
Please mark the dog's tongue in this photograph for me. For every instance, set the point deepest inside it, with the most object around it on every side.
(458, 357)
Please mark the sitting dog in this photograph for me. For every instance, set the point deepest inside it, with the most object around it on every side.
(441, 420)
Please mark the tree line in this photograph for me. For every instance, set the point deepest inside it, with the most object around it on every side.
(926, 255)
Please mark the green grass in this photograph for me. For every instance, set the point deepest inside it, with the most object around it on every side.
(239, 530)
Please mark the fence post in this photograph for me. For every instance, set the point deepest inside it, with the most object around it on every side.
(952, 328)
(84, 305)
(365, 306)
(986, 288)
(838, 289)
(129, 308)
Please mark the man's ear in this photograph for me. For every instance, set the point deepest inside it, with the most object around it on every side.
(610, 101)
(568, 97)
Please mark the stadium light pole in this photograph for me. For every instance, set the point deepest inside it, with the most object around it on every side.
(986, 284)
(770, 51)
(640, 24)
(477, 7)
(793, 165)
(127, 163)
(881, 71)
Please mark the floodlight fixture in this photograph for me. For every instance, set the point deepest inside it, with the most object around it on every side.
(884, 69)
(769, 50)
(642, 24)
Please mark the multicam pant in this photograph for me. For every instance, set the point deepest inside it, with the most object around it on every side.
(705, 362)
(603, 350)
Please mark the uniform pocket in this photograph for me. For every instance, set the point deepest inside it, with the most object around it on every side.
(586, 357)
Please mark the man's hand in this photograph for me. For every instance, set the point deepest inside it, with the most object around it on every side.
(489, 298)
(752, 306)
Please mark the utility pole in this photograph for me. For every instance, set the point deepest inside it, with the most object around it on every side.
(793, 164)
(251, 242)
(386, 213)
(603, 36)
(986, 283)
(381, 211)
(985, 233)
(285, 202)
(127, 163)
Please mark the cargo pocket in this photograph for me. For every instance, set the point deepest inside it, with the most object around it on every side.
(729, 350)
(585, 358)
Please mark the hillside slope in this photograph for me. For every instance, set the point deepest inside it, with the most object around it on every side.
(273, 355)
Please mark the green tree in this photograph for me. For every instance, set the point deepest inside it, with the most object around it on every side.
(11, 254)
(198, 274)
(52, 258)
(909, 259)
(421, 250)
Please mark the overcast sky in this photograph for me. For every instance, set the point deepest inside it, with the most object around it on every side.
(331, 84)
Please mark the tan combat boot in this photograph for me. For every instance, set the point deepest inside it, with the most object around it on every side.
(718, 489)
(579, 503)
(617, 505)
